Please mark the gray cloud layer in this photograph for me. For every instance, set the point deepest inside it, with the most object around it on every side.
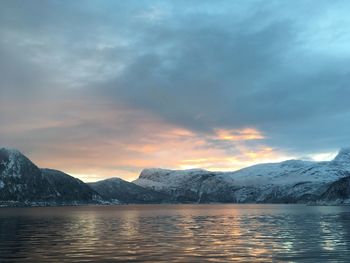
(280, 67)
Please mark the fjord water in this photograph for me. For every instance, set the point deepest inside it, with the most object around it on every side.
(176, 233)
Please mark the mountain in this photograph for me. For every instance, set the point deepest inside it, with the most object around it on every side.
(126, 192)
(343, 157)
(21, 180)
(292, 181)
(337, 193)
(194, 185)
(69, 188)
(23, 183)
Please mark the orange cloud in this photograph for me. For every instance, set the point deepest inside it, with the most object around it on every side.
(239, 135)
(162, 146)
(124, 141)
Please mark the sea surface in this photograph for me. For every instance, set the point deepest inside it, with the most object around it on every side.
(176, 233)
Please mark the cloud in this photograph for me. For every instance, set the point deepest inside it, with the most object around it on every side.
(239, 135)
(120, 85)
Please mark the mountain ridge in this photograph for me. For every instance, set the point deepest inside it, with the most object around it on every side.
(118, 189)
(22, 183)
(290, 181)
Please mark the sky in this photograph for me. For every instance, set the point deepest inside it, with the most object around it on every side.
(103, 89)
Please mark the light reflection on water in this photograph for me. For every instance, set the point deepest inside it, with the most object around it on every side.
(177, 233)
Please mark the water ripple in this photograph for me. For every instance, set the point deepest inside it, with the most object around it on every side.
(176, 233)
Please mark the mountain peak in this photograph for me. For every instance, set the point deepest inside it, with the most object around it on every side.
(13, 162)
(9, 151)
(343, 156)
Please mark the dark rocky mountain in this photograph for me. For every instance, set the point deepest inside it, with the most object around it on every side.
(338, 192)
(23, 183)
(126, 192)
(68, 188)
(21, 180)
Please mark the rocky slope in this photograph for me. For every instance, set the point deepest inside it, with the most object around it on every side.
(23, 183)
(126, 192)
(338, 192)
(292, 181)
(69, 188)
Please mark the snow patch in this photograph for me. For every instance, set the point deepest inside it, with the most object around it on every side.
(13, 165)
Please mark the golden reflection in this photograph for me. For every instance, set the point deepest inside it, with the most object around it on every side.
(179, 233)
(130, 223)
(330, 237)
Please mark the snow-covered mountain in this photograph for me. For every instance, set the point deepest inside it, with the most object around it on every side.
(23, 183)
(292, 181)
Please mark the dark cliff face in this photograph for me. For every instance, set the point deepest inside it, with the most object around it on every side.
(115, 188)
(338, 190)
(23, 181)
(204, 187)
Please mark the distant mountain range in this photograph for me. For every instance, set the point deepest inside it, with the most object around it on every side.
(292, 181)
(116, 189)
(22, 183)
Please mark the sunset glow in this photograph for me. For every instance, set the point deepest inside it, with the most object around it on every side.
(239, 135)
(158, 144)
(174, 131)
(108, 88)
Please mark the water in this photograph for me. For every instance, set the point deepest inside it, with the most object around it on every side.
(176, 233)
